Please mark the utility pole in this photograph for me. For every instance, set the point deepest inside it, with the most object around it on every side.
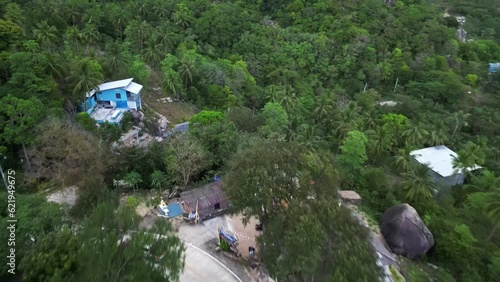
(396, 85)
(366, 86)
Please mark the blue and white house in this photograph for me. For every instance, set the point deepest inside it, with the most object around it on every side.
(113, 99)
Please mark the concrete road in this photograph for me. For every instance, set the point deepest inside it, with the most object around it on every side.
(202, 267)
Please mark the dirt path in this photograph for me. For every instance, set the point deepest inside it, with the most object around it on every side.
(246, 234)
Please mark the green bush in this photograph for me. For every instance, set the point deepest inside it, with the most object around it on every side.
(396, 276)
(86, 121)
(418, 275)
(224, 246)
(132, 202)
(127, 121)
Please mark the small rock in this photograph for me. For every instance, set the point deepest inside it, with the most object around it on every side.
(141, 124)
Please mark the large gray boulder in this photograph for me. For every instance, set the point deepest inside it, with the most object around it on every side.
(405, 232)
(136, 115)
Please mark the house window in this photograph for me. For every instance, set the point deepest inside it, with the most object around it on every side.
(217, 206)
(118, 96)
(128, 94)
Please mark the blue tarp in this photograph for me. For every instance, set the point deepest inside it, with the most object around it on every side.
(174, 210)
(494, 67)
(230, 238)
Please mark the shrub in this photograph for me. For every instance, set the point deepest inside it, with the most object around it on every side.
(224, 245)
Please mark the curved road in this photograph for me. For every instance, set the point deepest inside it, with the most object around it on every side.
(202, 267)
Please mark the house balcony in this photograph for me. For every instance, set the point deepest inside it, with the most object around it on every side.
(132, 97)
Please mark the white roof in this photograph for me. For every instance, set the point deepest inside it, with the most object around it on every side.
(124, 83)
(439, 159)
(134, 88)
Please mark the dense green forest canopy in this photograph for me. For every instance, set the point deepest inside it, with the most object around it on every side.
(306, 75)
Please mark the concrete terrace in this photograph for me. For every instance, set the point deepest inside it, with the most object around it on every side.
(111, 115)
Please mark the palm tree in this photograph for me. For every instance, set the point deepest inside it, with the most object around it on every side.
(460, 119)
(461, 164)
(53, 67)
(158, 179)
(91, 35)
(45, 35)
(403, 160)
(493, 210)
(439, 135)
(351, 113)
(466, 159)
(308, 137)
(120, 19)
(74, 35)
(288, 101)
(116, 60)
(186, 68)
(380, 141)
(418, 183)
(172, 83)
(371, 120)
(292, 128)
(182, 16)
(323, 108)
(138, 30)
(166, 36)
(274, 93)
(161, 12)
(487, 182)
(143, 9)
(153, 53)
(347, 120)
(73, 16)
(415, 134)
(85, 78)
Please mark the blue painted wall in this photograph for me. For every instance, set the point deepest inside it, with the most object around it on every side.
(110, 95)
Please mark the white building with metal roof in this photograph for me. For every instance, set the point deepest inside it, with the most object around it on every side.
(440, 161)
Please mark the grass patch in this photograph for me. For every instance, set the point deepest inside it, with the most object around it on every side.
(370, 218)
(396, 276)
(423, 272)
(176, 112)
(417, 274)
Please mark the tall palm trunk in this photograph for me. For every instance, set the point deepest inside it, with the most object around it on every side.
(492, 233)
(26, 157)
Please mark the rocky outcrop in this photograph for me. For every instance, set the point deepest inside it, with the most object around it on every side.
(136, 115)
(405, 232)
(349, 197)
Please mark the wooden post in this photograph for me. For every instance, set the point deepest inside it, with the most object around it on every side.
(218, 234)
(197, 217)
